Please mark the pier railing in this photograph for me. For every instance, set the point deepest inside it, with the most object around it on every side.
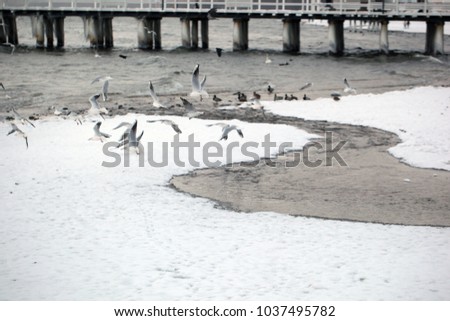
(287, 7)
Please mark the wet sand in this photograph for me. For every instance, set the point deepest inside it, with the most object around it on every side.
(374, 187)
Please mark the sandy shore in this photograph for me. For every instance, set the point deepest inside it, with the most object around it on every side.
(374, 187)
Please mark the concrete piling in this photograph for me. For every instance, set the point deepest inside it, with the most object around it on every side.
(291, 35)
(59, 31)
(336, 36)
(108, 32)
(384, 41)
(48, 23)
(240, 34)
(205, 33)
(185, 33)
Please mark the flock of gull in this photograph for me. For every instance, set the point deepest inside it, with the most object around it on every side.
(130, 137)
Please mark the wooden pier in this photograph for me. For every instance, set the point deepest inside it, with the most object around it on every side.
(47, 18)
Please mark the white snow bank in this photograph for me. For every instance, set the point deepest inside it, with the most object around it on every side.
(414, 26)
(420, 117)
(71, 229)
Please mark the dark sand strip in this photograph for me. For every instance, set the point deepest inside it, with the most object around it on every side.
(374, 187)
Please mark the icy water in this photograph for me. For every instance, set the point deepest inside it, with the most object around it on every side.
(38, 79)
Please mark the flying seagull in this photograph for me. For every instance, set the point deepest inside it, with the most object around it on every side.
(105, 80)
(347, 88)
(101, 79)
(227, 129)
(126, 132)
(18, 117)
(190, 109)
(307, 85)
(156, 102)
(98, 135)
(132, 141)
(15, 129)
(167, 122)
(95, 109)
(197, 86)
(212, 13)
(221, 125)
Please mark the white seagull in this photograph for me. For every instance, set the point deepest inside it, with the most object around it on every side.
(268, 60)
(18, 117)
(191, 112)
(167, 122)
(98, 135)
(95, 109)
(198, 89)
(227, 129)
(132, 141)
(105, 80)
(15, 129)
(156, 102)
(347, 88)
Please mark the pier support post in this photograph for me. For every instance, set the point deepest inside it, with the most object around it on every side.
(95, 32)
(149, 33)
(194, 34)
(384, 41)
(142, 34)
(108, 32)
(157, 29)
(48, 23)
(3, 33)
(240, 34)
(434, 42)
(336, 36)
(59, 32)
(9, 29)
(205, 33)
(40, 31)
(185, 33)
(291, 35)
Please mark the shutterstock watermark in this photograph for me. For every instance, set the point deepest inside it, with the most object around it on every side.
(215, 154)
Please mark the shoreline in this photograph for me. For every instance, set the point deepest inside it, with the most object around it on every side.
(376, 187)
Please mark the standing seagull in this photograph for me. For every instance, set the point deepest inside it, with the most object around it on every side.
(197, 86)
(156, 102)
(227, 129)
(18, 117)
(16, 130)
(95, 109)
(190, 109)
(268, 60)
(347, 88)
(167, 122)
(98, 135)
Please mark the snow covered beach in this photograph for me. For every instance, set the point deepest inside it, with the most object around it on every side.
(73, 229)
